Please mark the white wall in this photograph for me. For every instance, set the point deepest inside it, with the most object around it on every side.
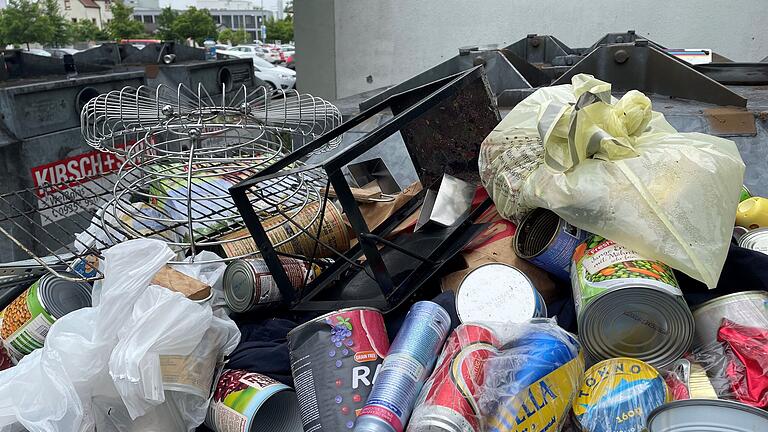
(392, 40)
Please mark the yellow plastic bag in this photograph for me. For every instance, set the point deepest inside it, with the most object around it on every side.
(617, 169)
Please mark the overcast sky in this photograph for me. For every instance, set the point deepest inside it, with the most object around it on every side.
(182, 4)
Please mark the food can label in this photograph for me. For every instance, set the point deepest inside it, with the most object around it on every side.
(601, 265)
(191, 373)
(25, 324)
(237, 398)
(556, 258)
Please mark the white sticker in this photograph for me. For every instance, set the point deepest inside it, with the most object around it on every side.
(403, 363)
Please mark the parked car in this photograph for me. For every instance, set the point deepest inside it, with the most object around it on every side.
(271, 55)
(290, 63)
(277, 77)
(39, 52)
(243, 51)
(61, 52)
(288, 50)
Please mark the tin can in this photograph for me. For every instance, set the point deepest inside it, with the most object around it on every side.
(535, 380)
(756, 239)
(547, 241)
(497, 293)
(5, 358)
(748, 308)
(405, 369)
(745, 193)
(28, 318)
(628, 306)
(752, 213)
(297, 235)
(249, 285)
(192, 373)
(335, 359)
(739, 232)
(696, 415)
(617, 395)
(247, 401)
(448, 401)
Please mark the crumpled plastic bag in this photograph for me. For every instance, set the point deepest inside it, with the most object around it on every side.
(617, 169)
(70, 384)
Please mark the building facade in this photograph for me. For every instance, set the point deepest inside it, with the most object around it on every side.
(97, 11)
(249, 20)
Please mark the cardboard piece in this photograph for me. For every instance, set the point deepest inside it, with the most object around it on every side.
(175, 280)
(376, 213)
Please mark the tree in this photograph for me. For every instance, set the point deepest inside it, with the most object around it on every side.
(195, 24)
(288, 11)
(123, 26)
(165, 24)
(280, 29)
(23, 22)
(241, 37)
(227, 36)
(59, 30)
(86, 30)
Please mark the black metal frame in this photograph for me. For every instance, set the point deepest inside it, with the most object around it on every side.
(408, 107)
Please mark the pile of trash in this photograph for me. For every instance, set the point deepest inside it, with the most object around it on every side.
(617, 286)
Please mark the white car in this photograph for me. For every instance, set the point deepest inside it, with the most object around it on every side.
(244, 51)
(288, 50)
(277, 77)
(39, 52)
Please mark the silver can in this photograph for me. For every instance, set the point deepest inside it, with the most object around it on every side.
(497, 293)
(249, 285)
(748, 308)
(707, 415)
(756, 239)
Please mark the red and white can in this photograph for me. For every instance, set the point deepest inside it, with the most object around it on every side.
(448, 401)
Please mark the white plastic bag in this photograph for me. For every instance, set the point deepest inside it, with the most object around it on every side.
(617, 169)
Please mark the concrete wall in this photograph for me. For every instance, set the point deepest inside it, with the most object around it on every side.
(340, 43)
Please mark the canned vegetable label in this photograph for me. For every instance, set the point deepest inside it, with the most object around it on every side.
(601, 265)
(617, 395)
(25, 323)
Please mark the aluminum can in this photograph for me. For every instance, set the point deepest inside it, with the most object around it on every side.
(745, 193)
(617, 395)
(248, 283)
(497, 293)
(405, 369)
(748, 308)
(696, 415)
(548, 241)
(28, 318)
(448, 401)
(246, 401)
(756, 240)
(628, 306)
(335, 359)
(522, 404)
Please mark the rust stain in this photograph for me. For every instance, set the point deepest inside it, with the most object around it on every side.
(730, 121)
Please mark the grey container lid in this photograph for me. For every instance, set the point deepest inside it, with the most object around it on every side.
(707, 415)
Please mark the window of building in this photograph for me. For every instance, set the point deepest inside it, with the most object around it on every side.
(148, 19)
(93, 20)
(227, 21)
(106, 5)
(74, 20)
(137, 18)
(67, 5)
(238, 23)
(250, 21)
(217, 19)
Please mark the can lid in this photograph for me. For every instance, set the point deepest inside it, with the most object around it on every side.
(61, 296)
(643, 322)
(758, 296)
(756, 240)
(496, 293)
(239, 281)
(695, 415)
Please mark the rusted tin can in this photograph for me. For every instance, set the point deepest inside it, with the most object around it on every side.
(448, 401)
(547, 241)
(28, 318)
(248, 283)
(628, 306)
(247, 401)
(498, 293)
(748, 308)
(334, 360)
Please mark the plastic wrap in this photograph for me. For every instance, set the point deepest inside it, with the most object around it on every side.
(619, 170)
(617, 395)
(66, 385)
(530, 381)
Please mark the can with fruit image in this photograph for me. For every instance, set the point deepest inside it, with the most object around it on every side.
(250, 402)
(27, 319)
(628, 306)
(334, 361)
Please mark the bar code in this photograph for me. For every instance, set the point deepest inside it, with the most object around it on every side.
(42, 330)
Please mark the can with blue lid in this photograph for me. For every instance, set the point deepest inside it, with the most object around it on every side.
(547, 241)
(617, 395)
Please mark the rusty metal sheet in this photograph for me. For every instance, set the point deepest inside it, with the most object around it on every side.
(731, 121)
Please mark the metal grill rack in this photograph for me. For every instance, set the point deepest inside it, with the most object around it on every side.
(178, 152)
(375, 270)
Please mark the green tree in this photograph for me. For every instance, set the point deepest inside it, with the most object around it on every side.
(123, 26)
(288, 9)
(241, 37)
(165, 24)
(86, 30)
(280, 29)
(227, 36)
(24, 23)
(195, 24)
(59, 30)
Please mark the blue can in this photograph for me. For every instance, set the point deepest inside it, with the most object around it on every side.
(548, 242)
(526, 378)
(406, 368)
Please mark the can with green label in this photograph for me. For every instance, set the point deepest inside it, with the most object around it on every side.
(745, 193)
(627, 305)
(28, 318)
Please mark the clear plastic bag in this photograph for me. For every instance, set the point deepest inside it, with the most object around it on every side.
(619, 170)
